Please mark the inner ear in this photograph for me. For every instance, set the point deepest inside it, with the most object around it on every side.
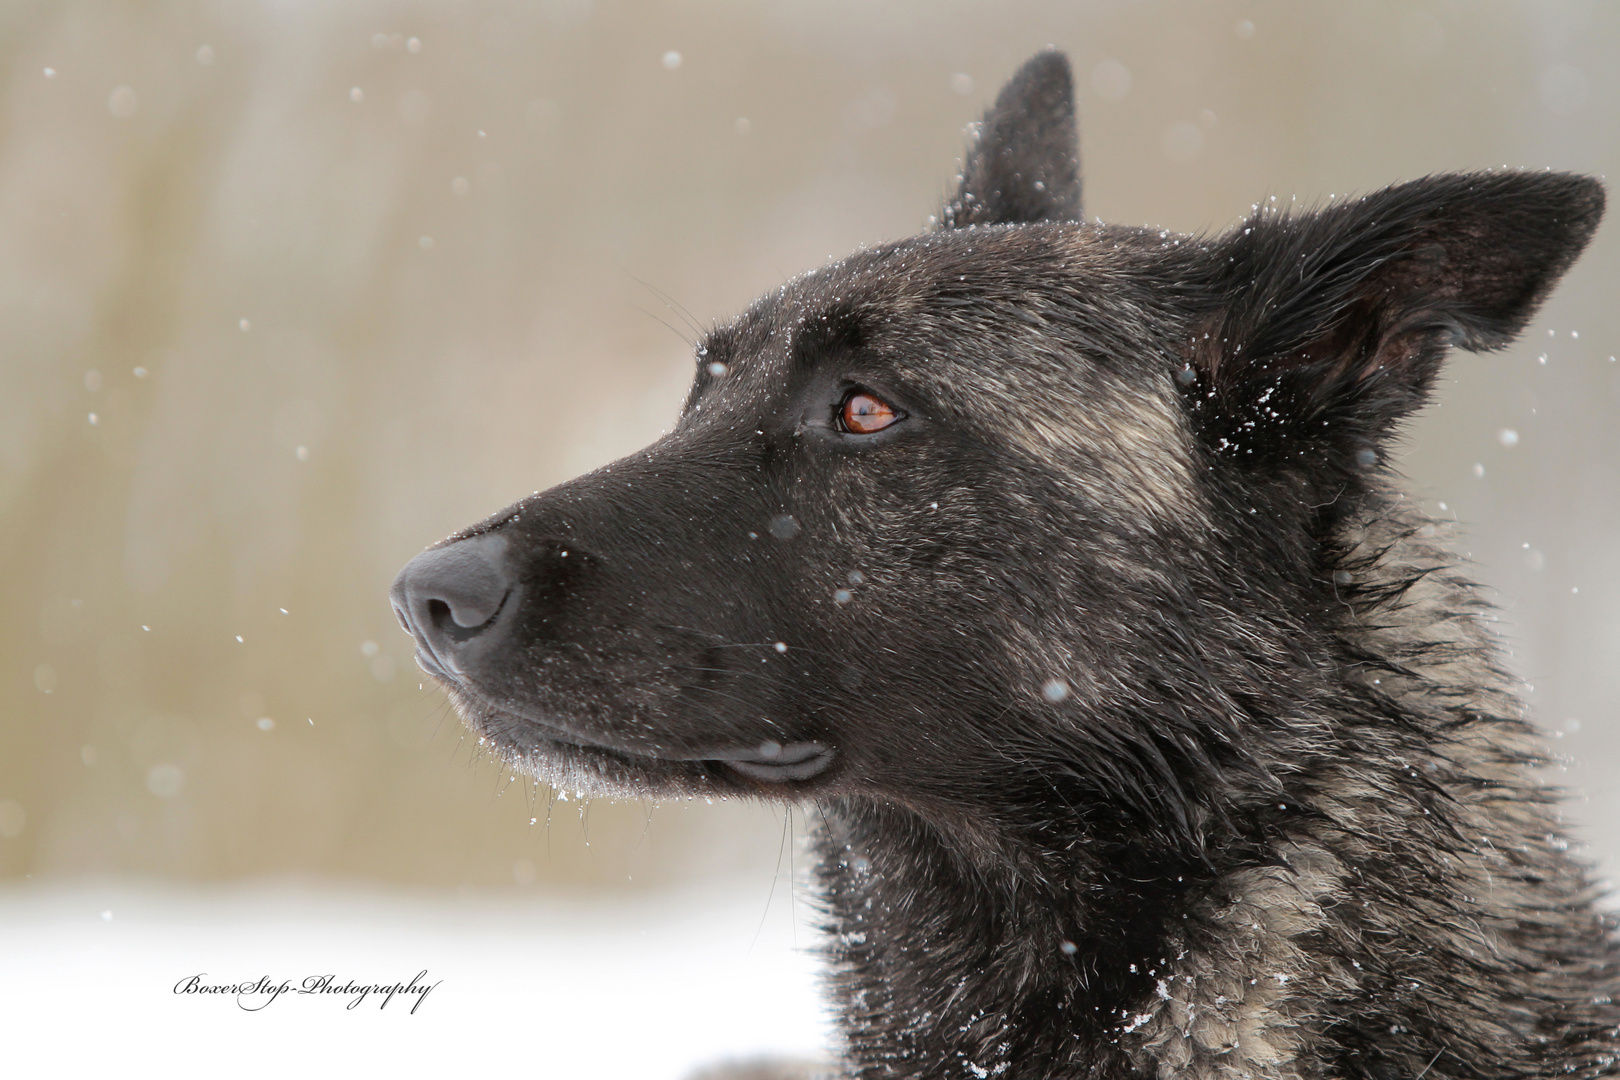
(1024, 161)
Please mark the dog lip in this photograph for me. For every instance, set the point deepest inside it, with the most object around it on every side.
(775, 762)
(769, 761)
(791, 762)
(769, 752)
(776, 774)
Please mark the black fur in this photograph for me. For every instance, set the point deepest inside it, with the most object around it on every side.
(1147, 730)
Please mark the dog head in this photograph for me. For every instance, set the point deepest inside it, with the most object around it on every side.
(960, 515)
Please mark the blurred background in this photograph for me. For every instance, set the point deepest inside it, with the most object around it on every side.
(289, 290)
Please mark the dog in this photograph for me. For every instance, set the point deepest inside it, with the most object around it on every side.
(1060, 570)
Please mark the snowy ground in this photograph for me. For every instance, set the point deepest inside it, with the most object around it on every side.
(643, 988)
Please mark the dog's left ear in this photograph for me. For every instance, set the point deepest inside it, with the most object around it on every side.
(1024, 163)
(1328, 327)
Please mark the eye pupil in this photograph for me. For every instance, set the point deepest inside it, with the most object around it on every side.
(863, 414)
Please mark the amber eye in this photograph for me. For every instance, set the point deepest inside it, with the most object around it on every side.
(863, 414)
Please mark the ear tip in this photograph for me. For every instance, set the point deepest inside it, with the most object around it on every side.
(1576, 198)
(1047, 70)
(1051, 61)
(1589, 197)
(1575, 204)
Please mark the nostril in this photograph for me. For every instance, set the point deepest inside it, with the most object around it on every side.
(447, 621)
(448, 595)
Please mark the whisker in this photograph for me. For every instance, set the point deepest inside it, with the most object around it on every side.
(672, 329)
(670, 302)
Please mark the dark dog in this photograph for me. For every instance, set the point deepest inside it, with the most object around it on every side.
(1149, 730)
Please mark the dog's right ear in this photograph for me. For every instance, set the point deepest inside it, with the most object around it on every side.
(1024, 162)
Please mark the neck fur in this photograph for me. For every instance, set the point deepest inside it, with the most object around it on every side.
(1414, 879)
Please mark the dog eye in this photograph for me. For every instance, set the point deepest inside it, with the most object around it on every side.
(863, 413)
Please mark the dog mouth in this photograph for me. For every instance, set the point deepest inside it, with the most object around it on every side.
(773, 762)
(769, 761)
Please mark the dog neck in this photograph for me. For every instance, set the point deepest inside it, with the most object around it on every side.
(1390, 891)
(950, 961)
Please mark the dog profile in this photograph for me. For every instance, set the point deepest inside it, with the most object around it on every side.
(1059, 569)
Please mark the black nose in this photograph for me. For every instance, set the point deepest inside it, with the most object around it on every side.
(451, 599)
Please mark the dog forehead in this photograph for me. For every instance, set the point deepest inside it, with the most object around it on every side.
(980, 268)
(936, 285)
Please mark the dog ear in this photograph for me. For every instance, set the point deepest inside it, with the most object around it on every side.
(1024, 161)
(1330, 326)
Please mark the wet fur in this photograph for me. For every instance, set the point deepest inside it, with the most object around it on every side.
(1169, 738)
